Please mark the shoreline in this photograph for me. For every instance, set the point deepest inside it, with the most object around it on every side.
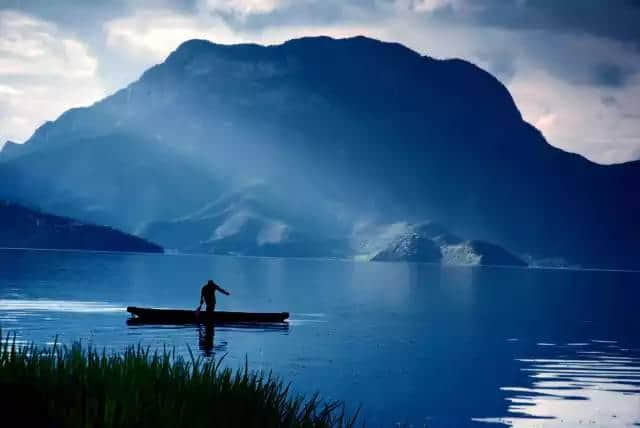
(168, 252)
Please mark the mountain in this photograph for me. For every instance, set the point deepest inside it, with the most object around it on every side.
(10, 148)
(433, 243)
(410, 248)
(477, 253)
(118, 180)
(26, 228)
(246, 221)
(345, 132)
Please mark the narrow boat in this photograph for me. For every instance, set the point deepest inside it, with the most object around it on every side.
(178, 316)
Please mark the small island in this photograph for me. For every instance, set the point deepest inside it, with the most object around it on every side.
(430, 242)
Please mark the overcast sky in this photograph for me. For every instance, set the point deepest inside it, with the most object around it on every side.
(573, 66)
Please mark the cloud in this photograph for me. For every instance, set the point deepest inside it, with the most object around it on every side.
(43, 72)
(591, 120)
(500, 64)
(242, 7)
(156, 33)
(427, 6)
(608, 100)
(545, 122)
(582, 59)
(613, 20)
(609, 74)
(32, 47)
(8, 90)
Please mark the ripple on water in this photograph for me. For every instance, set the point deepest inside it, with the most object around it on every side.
(44, 305)
(599, 387)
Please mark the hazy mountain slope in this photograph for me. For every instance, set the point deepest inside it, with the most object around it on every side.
(25, 228)
(357, 128)
(253, 219)
(117, 180)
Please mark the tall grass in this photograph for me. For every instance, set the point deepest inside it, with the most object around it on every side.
(79, 387)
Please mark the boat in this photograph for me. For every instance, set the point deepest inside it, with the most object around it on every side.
(180, 316)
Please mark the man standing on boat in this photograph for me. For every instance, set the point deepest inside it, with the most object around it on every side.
(208, 295)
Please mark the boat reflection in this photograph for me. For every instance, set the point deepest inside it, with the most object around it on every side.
(206, 331)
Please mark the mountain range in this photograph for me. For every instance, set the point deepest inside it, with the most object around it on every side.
(295, 149)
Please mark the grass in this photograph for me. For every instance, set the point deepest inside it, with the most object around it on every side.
(77, 386)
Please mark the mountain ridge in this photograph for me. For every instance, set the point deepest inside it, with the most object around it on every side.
(351, 129)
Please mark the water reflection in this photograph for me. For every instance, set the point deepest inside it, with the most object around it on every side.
(205, 338)
(412, 343)
(593, 383)
(206, 331)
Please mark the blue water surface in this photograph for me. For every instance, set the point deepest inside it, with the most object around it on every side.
(420, 345)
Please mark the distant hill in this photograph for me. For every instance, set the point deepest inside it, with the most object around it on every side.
(250, 220)
(21, 227)
(410, 248)
(340, 133)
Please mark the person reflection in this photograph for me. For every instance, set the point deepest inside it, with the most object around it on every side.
(205, 338)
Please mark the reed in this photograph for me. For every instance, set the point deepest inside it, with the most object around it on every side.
(78, 386)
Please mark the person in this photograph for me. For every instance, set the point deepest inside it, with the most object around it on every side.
(208, 295)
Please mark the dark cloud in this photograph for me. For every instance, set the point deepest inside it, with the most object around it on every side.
(614, 19)
(609, 100)
(612, 75)
(574, 59)
(88, 16)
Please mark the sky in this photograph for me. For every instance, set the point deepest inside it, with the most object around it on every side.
(572, 66)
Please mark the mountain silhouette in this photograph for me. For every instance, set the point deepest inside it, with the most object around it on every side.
(346, 130)
(26, 228)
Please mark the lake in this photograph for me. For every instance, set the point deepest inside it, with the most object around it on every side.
(414, 344)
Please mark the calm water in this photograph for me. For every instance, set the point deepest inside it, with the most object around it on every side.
(414, 344)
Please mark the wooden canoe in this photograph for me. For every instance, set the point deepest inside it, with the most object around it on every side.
(179, 316)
